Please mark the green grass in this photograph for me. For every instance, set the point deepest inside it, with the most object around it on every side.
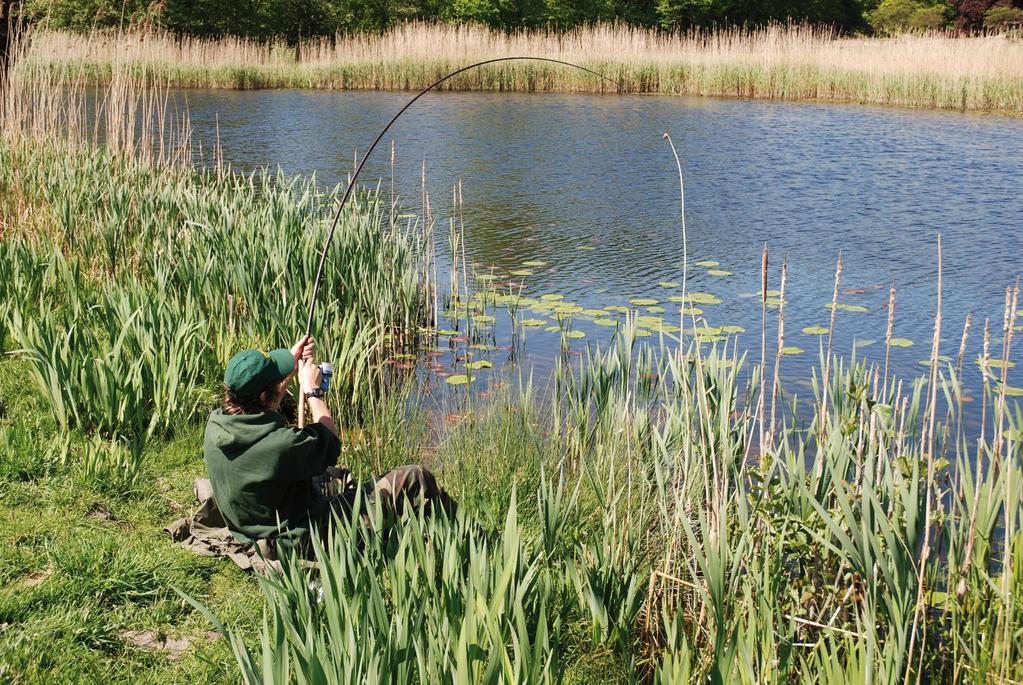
(85, 564)
(635, 521)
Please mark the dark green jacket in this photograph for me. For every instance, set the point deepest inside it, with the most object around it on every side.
(261, 471)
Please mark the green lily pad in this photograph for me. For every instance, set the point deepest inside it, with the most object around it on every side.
(669, 284)
(483, 318)
(1013, 392)
(640, 333)
(732, 329)
(616, 308)
(864, 343)
(816, 330)
(703, 298)
(485, 277)
(997, 363)
(665, 328)
(534, 262)
(481, 364)
(718, 272)
(606, 322)
(521, 272)
(568, 309)
(551, 297)
(656, 309)
(709, 263)
(447, 331)
(585, 247)
(533, 322)
(842, 306)
(901, 342)
(458, 379)
(773, 302)
(594, 312)
(942, 358)
(792, 350)
(643, 301)
(690, 311)
(553, 329)
(575, 334)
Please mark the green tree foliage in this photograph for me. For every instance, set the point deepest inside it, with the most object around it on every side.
(297, 19)
(897, 16)
(999, 18)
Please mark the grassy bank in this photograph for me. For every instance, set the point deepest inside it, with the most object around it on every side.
(656, 512)
(796, 63)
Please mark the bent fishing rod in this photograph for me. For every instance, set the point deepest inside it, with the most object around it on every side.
(376, 141)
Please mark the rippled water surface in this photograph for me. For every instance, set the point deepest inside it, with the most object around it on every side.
(587, 185)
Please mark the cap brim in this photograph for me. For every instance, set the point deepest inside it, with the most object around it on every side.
(284, 361)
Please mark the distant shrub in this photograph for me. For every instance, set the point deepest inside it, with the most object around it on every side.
(898, 16)
(1000, 18)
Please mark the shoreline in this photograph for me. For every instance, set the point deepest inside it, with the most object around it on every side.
(795, 64)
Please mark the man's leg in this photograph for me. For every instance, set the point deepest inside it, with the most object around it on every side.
(412, 486)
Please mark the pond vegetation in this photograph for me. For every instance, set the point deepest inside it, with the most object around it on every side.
(793, 62)
(657, 510)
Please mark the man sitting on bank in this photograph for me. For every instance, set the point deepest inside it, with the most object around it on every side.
(266, 475)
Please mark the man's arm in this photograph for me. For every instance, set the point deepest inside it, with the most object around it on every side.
(309, 378)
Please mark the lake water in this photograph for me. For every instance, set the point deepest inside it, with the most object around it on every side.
(587, 185)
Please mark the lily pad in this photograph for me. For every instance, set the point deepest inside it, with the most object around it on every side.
(732, 329)
(842, 306)
(483, 318)
(606, 322)
(1013, 392)
(616, 308)
(458, 379)
(708, 263)
(485, 277)
(521, 272)
(864, 343)
(997, 363)
(901, 342)
(640, 333)
(533, 322)
(481, 364)
(534, 262)
(718, 272)
(656, 309)
(594, 312)
(643, 301)
(553, 329)
(568, 309)
(447, 331)
(585, 247)
(669, 284)
(551, 297)
(575, 334)
(690, 311)
(792, 350)
(816, 330)
(703, 298)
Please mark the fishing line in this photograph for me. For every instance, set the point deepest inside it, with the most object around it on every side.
(358, 169)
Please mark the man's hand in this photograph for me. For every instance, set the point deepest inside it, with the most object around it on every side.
(304, 350)
(309, 375)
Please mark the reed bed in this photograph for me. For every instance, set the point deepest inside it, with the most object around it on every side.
(632, 522)
(937, 71)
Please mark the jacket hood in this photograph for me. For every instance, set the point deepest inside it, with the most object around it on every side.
(239, 431)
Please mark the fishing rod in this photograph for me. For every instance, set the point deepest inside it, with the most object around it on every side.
(369, 151)
(376, 141)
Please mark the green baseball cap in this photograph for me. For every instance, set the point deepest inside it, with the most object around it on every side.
(251, 371)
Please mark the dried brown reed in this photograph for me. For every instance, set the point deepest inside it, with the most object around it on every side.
(779, 62)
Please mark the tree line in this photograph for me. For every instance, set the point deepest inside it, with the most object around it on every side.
(298, 19)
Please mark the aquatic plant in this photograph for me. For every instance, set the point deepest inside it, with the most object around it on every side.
(788, 62)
